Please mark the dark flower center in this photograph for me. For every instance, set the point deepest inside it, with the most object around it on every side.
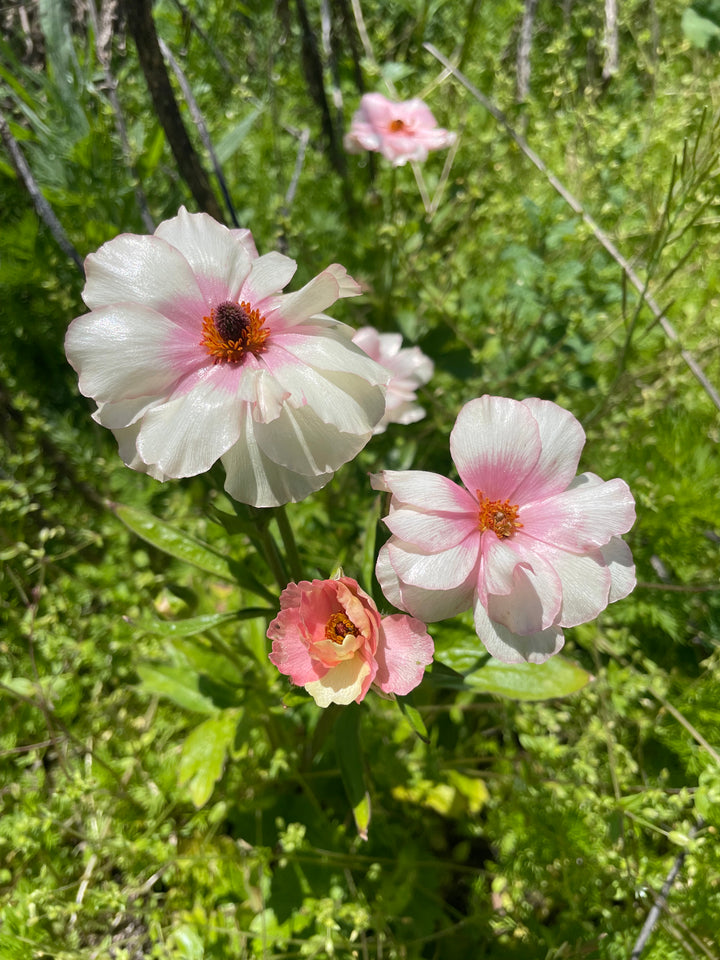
(231, 321)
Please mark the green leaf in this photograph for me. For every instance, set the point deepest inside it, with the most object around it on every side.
(231, 141)
(177, 684)
(182, 546)
(203, 755)
(529, 681)
(700, 31)
(707, 795)
(413, 717)
(194, 625)
(352, 769)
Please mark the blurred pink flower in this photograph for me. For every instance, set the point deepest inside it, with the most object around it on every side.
(330, 639)
(193, 355)
(409, 369)
(529, 545)
(399, 131)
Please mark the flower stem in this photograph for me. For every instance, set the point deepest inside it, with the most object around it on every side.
(288, 539)
(268, 547)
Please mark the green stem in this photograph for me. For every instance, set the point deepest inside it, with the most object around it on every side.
(273, 556)
(288, 539)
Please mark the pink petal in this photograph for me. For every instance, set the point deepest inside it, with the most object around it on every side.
(586, 582)
(508, 647)
(377, 109)
(290, 652)
(427, 605)
(402, 655)
(562, 439)
(535, 597)
(588, 514)
(495, 445)
(220, 263)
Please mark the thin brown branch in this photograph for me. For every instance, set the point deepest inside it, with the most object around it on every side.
(141, 25)
(597, 231)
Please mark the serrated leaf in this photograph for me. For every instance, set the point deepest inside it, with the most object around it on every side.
(203, 755)
(352, 770)
(177, 684)
(556, 677)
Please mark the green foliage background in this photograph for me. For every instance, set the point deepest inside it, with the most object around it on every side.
(162, 791)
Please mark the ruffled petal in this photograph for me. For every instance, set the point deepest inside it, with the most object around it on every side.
(508, 647)
(290, 653)
(495, 445)
(219, 261)
(428, 605)
(252, 477)
(436, 571)
(562, 439)
(426, 491)
(188, 433)
(430, 532)
(327, 347)
(586, 581)
(534, 599)
(618, 558)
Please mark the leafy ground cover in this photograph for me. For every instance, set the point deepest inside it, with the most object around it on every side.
(164, 792)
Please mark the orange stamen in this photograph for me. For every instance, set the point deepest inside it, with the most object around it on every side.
(397, 125)
(232, 331)
(338, 627)
(500, 516)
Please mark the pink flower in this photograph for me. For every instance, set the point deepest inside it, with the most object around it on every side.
(399, 131)
(409, 369)
(193, 355)
(530, 546)
(330, 639)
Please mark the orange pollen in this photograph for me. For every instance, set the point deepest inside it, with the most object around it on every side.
(338, 627)
(397, 125)
(500, 516)
(232, 331)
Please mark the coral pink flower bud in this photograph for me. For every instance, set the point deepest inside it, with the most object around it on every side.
(194, 355)
(409, 369)
(330, 638)
(399, 131)
(531, 547)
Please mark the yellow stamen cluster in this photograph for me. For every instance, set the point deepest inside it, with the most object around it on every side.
(338, 627)
(500, 516)
(232, 331)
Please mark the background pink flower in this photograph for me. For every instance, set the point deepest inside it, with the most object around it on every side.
(529, 545)
(194, 355)
(330, 639)
(400, 131)
(409, 369)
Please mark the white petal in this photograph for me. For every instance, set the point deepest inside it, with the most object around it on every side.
(127, 350)
(431, 532)
(147, 271)
(427, 605)
(341, 684)
(188, 433)
(300, 441)
(127, 448)
(426, 491)
(328, 348)
(438, 571)
(618, 557)
(219, 261)
(586, 582)
(287, 310)
(254, 478)
(270, 273)
(506, 646)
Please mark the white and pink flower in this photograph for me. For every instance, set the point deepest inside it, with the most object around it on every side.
(193, 354)
(409, 369)
(399, 131)
(330, 639)
(531, 547)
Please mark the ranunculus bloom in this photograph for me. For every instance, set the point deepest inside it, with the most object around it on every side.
(193, 355)
(529, 545)
(409, 369)
(399, 131)
(330, 639)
